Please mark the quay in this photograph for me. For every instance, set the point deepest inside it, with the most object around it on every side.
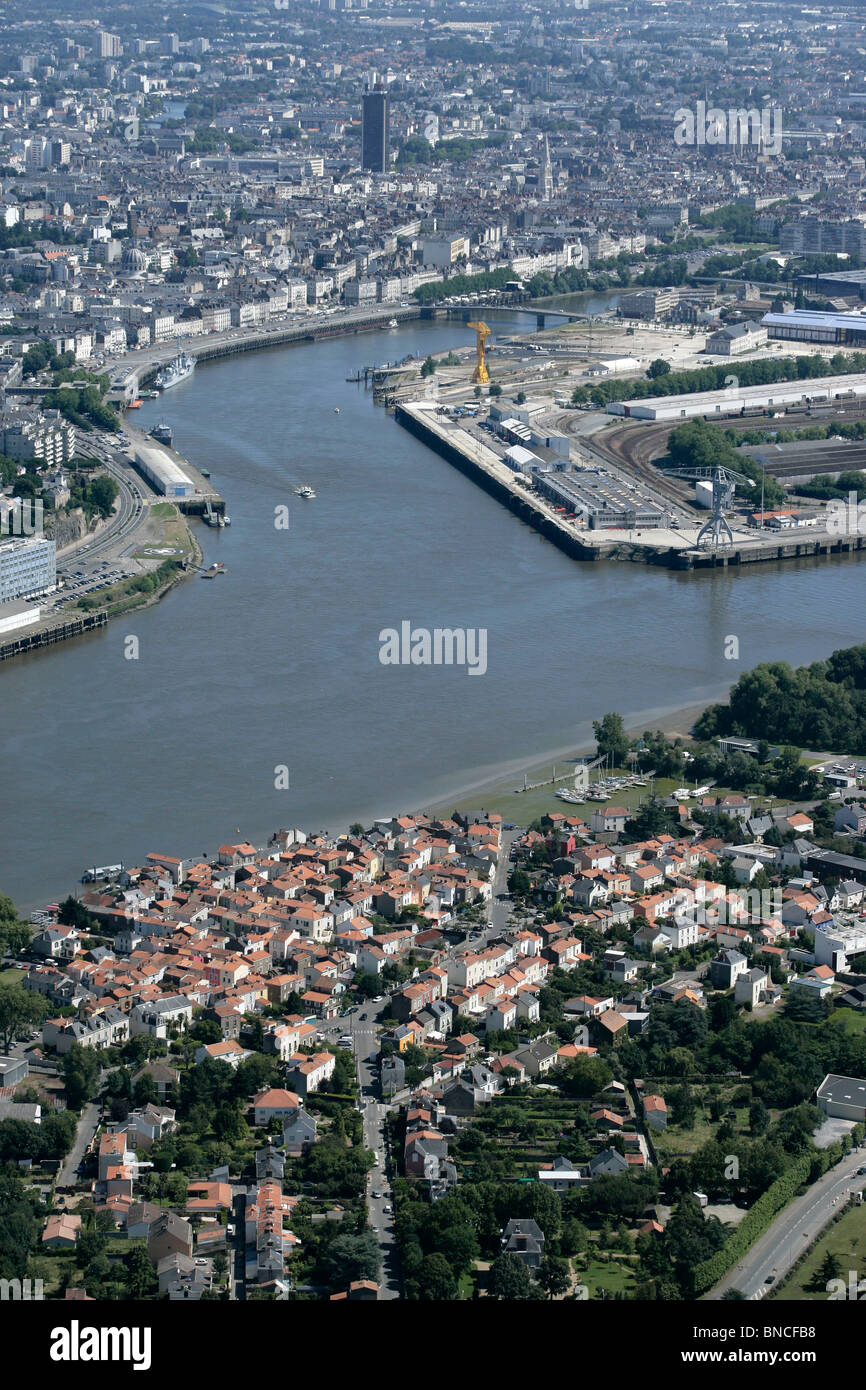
(51, 631)
(485, 468)
(141, 367)
(764, 549)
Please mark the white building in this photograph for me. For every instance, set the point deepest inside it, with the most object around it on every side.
(28, 567)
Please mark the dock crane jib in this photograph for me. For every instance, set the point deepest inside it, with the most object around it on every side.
(482, 333)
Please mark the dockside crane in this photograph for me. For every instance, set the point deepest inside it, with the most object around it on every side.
(715, 534)
(482, 333)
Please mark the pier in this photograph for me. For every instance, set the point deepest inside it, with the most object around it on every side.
(48, 632)
(485, 468)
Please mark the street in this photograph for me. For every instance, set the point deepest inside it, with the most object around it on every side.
(87, 1125)
(362, 1024)
(793, 1230)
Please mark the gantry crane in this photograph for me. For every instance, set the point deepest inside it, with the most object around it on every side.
(482, 333)
(715, 534)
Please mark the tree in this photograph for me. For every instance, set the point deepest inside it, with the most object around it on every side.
(349, 1258)
(140, 1276)
(827, 1270)
(206, 1030)
(80, 1075)
(585, 1076)
(553, 1276)
(659, 367)
(509, 1279)
(494, 389)
(229, 1123)
(610, 738)
(18, 1224)
(19, 1011)
(73, 914)
(14, 934)
(436, 1280)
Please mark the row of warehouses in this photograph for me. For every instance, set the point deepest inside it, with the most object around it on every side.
(594, 496)
(736, 400)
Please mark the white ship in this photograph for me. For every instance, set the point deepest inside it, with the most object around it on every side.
(177, 370)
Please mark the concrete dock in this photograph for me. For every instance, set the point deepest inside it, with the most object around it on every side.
(660, 547)
(485, 468)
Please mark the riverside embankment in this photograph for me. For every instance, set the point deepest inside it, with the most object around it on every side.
(277, 662)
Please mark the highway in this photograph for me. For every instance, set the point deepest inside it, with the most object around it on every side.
(128, 515)
(794, 1229)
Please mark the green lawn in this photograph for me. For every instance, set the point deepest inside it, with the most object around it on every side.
(163, 509)
(11, 976)
(847, 1241)
(846, 1021)
(613, 1277)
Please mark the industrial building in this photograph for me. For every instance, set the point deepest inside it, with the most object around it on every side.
(746, 399)
(735, 338)
(164, 475)
(649, 304)
(815, 326)
(847, 284)
(599, 499)
(28, 568)
(19, 613)
(842, 1097)
(799, 460)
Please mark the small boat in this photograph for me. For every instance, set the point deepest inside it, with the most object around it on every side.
(336, 410)
(216, 568)
(305, 491)
(205, 472)
(392, 323)
(227, 521)
(162, 433)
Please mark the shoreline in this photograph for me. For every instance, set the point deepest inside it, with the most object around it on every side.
(500, 785)
(672, 721)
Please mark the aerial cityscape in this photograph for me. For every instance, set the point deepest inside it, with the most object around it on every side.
(462, 896)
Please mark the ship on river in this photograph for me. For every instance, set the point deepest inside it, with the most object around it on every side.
(177, 370)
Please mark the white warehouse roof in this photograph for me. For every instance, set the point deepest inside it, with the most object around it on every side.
(158, 464)
(708, 402)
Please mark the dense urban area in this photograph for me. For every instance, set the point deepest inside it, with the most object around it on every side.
(612, 1047)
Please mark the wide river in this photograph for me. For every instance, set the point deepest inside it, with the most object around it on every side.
(276, 664)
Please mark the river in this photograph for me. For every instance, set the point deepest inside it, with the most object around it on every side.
(276, 664)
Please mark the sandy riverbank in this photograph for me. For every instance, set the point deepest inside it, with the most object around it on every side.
(497, 792)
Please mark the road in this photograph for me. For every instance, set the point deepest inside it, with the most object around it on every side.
(87, 1126)
(362, 1024)
(130, 503)
(793, 1230)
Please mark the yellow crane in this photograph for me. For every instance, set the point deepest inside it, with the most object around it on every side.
(482, 333)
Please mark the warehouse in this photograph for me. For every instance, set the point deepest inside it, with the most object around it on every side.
(164, 475)
(842, 1097)
(813, 326)
(600, 499)
(733, 401)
